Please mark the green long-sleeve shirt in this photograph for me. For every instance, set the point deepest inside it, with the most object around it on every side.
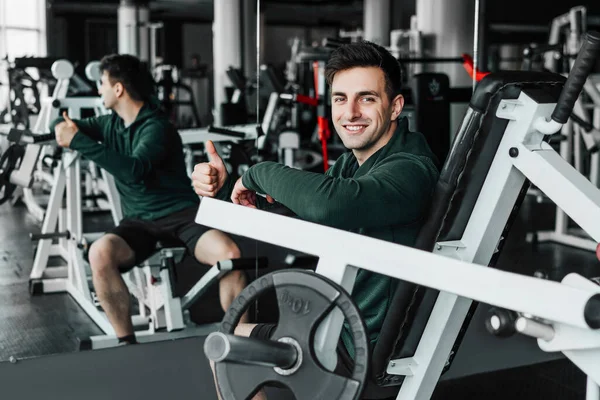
(387, 198)
(146, 159)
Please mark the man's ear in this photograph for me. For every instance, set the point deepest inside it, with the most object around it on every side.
(397, 106)
(119, 89)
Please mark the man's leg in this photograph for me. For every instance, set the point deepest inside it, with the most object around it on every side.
(106, 255)
(214, 246)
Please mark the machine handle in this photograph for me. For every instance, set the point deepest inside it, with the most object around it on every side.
(244, 263)
(51, 235)
(220, 347)
(228, 132)
(581, 69)
(46, 137)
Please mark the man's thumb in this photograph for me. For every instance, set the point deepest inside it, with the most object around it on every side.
(213, 156)
(66, 118)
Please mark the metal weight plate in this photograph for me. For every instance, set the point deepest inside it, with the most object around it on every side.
(304, 298)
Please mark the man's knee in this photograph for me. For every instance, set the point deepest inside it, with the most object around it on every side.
(235, 279)
(108, 253)
(244, 329)
(214, 246)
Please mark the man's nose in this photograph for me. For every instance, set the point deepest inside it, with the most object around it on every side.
(352, 110)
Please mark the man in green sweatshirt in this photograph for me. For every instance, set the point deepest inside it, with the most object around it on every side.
(382, 188)
(142, 150)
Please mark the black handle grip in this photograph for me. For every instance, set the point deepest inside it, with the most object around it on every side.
(220, 347)
(52, 235)
(243, 263)
(228, 132)
(302, 261)
(581, 69)
(46, 137)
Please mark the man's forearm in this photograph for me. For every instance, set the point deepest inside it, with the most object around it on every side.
(124, 168)
(381, 198)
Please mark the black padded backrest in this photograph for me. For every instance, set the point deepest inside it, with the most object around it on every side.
(459, 185)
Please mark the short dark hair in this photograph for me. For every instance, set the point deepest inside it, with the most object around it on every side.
(131, 73)
(366, 54)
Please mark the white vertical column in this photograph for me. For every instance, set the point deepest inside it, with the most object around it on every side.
(133, 16)
(376, 21)
(450, 24)
(448, 29)
(226, 48)
(249, 38)
(143, 31)
(127, 22)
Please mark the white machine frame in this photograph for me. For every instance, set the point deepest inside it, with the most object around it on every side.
(575, 136)
(457, 268)
(149, 283)
(571, 150)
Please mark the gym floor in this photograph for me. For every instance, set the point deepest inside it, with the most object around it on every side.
(485, 367)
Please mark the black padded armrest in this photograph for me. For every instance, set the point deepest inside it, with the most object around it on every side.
(490, 85)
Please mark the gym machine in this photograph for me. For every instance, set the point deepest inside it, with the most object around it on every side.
(579, 134)
(462, 236)
(499, 149)
(162, 314)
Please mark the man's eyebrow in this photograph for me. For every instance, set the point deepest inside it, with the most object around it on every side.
(362, 93)
(368, 93)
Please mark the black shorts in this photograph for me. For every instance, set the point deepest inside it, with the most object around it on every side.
(176, 229)
(344, 366)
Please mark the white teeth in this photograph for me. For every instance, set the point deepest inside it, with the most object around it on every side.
(354, 128)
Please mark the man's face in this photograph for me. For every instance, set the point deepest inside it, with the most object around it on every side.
(108, 91)
(361, 110)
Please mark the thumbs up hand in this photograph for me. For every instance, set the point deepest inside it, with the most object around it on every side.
(209, 177)
(65, 131)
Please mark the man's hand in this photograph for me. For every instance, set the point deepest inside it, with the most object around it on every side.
(208, 178)
(245, 197)
(65, 131)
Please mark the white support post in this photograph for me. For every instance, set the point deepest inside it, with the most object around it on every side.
(592, 390)
(114, 199)
(50, 222)
(566, 187)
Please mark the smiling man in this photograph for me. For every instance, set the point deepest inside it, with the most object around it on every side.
(381, 188)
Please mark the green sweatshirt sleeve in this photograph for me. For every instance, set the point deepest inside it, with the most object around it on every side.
(225, 195)
(225, 192)
(392, 193)
(149, 151)
(92, 127)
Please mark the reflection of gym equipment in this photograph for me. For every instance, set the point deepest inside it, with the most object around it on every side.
(23, 90)
(65, 223)
(499, 146)
(96, 188)
(17, 162)
(162, 315)
(580, 136)
(175, 96)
